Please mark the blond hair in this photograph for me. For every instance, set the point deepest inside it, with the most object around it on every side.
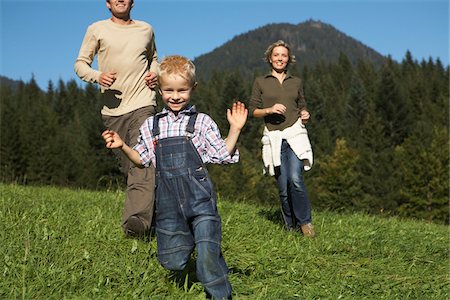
(178, 65)
(268, 52)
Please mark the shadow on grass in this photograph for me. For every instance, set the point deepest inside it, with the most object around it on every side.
(272, 215)
(239, 271)
(187, 277)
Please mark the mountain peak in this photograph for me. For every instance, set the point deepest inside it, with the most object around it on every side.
(311, 42)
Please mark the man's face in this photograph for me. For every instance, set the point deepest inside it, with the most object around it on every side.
(120, 8)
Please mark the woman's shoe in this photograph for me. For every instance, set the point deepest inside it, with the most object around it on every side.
(308, 230)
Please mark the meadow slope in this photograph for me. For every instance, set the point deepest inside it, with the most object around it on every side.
(67, 244)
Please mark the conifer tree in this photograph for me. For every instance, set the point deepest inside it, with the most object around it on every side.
(392, 107)
(10, 143)
(337, 185)
(422, 168)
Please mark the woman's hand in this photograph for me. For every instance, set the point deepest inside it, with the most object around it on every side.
(304, 116)
(276, 109)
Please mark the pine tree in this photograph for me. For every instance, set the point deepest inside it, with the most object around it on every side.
(9, 142)
(422, 168)
(337, 185)
(391, 105)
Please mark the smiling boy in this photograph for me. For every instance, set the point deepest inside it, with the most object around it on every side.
(179, 141)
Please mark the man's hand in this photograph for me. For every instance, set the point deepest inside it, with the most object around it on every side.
(107, 79)
(151, 80)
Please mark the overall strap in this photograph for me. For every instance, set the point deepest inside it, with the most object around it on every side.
(189, 127)
(191, 123)
(155, 130)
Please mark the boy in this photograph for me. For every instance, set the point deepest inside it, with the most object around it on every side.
(179, 141)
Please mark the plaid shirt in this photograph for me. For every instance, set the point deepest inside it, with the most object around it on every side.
(206, 137)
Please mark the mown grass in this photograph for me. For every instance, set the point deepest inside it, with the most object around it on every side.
(67, 244)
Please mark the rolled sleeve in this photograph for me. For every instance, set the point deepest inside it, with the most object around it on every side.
(216, 149)
(144, 146)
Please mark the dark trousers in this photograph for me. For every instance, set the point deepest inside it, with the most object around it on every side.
(139, 199)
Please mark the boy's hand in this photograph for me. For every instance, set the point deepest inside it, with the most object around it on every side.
(237, 116)
(112, 139)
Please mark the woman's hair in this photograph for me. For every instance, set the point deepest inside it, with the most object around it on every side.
(178, 65)
(268, 53)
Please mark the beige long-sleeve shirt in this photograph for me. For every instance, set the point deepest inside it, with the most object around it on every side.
(128, 50)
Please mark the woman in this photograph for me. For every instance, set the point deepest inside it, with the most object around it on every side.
(278, 98)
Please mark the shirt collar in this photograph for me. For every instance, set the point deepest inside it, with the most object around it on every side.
(188, 110)
(288, 74)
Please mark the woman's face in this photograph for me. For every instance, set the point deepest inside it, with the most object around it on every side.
(279, 58)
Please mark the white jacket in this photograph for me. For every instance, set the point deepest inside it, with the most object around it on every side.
(298, 140)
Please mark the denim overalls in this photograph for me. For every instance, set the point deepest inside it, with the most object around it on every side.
(186, 212)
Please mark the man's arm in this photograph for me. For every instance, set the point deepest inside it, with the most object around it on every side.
(153, 57)
(83, 64)
(152, 76)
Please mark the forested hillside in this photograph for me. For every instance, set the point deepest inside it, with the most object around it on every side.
(380, 137)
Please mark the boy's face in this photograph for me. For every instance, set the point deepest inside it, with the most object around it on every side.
(175, 92)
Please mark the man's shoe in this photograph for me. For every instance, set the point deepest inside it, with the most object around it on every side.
(308, 230)
(134, 227)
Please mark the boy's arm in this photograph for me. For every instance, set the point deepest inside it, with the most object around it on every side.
(113, 141)
(237, 117)
(132, 155)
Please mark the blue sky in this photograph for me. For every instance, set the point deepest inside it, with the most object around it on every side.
(42, 37)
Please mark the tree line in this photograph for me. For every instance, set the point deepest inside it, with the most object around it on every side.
(380, 137)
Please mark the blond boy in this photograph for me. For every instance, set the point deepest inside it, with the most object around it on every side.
(179, 141)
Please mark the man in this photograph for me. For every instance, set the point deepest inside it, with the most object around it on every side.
(127, 73)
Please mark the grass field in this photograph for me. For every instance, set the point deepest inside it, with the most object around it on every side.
(67, 244)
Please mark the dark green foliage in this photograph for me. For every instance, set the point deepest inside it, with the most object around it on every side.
(379, 135)
(422, 168)
(338, 182)
(392, 106)
(53, 137)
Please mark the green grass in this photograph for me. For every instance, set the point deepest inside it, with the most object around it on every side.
(67, 244)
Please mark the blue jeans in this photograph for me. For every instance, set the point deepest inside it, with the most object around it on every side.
(295, 204)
